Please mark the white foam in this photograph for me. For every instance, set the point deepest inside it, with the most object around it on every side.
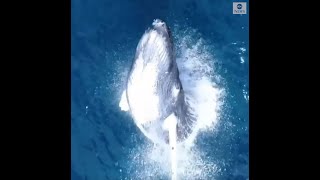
(245, 95)
(150, 161)
(86, 109)
(242, 49)
(123, 102)
(241, 60)
(196, 68)
(173, 145)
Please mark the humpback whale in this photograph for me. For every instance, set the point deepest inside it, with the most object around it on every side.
(154, 95)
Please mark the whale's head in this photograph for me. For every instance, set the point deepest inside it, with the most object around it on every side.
(157, 43)
(162, 28)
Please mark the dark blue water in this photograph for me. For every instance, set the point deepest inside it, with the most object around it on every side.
(104, 35)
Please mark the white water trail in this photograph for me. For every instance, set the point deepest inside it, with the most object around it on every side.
(170, 124)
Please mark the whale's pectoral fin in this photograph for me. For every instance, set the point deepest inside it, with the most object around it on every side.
(124, 102)
(185, 115)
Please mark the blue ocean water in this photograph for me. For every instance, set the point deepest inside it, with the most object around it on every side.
(104, 35)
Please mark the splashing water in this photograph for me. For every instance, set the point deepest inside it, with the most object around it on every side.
(154, 161)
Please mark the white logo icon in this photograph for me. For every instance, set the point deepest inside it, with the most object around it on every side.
(239, 8)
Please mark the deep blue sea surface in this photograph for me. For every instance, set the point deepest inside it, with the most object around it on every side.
(104, 35)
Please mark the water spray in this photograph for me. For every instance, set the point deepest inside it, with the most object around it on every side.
(170, 124)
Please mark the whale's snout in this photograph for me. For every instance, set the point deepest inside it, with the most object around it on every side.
(157, 23)
(161, 26)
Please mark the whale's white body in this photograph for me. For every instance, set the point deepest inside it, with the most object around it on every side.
(154, 91)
